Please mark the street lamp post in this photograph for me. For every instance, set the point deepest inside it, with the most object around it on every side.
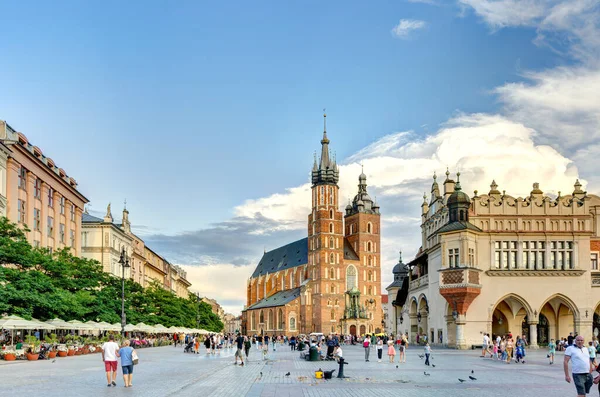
(124, 262)
(198, 309)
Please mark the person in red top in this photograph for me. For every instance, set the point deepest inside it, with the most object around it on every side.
(175, 338)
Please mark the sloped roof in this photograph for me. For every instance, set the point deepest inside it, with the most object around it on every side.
(87, 218)
(286, 257)
(349, 252)
(279, 299)
(460, 225)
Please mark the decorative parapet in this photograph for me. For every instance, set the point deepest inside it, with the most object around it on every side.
(538, 273)
(420, 282)
(460, 277)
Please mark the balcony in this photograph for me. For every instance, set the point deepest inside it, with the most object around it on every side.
(595, 279)
(422, 281)
(460, 277)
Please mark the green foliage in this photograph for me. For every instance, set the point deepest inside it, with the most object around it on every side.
(45, 286)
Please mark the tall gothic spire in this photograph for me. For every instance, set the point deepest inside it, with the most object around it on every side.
(328, 170)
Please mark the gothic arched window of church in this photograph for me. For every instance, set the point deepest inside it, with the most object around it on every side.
(332, 289)
(331, 229)
(261, 317)
(333, 314)
(332, 258)
(337, 302)
(369, 246)
(292, 323)
(280, 319)
(369, 228)
(370, 261)
(322, 195)
(330, 196)
(271, 318)
(331, 214)
(370, 277)
(370, 290)
(331, 244)
(331, 273)
(350, 277)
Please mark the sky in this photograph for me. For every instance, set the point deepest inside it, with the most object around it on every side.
(205, 116)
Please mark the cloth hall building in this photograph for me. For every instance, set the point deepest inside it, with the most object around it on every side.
(496, 264)
(329, 281)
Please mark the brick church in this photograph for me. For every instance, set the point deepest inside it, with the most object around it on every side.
(327, 282)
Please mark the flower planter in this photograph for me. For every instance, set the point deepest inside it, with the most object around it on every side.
(10, 357)
(32, 356)
(62, 354)
(71, 352)
(51, 354)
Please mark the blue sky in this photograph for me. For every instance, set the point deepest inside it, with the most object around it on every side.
(190, 109)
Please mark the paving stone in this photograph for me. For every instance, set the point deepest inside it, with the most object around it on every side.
(166, 371)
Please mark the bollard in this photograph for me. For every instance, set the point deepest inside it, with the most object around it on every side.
(341, 370)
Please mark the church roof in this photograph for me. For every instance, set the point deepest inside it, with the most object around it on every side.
(291, 255)
(279, 299)
(349, 252)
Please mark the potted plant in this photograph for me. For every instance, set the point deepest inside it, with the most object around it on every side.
(62, 350)
(52, 340)
(69, 342)
(33, 342)
(9, 355)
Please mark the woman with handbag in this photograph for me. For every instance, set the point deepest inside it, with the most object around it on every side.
(128, 359)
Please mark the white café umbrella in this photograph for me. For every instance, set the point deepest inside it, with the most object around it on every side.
(130, 328)
(78, 325)
(161, 329)
(16, 322)
(57, 323)
(95, 325)
(104, 326)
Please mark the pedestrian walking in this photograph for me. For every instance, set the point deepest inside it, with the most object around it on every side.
(175, 339)
(581, 367)
(367, 347)
(238, 353)
(109, 357)
(126, 355)
(247, 346)
(391, 351)
(427, 350)
(379, 349)
(551, 351)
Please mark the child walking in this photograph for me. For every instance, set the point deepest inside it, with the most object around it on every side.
(391, 351)
(551, 351)
(495, 356)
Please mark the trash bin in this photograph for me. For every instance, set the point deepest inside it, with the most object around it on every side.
(314, 354)
(301, 346)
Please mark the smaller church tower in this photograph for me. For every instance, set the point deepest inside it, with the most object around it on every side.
(363, 232)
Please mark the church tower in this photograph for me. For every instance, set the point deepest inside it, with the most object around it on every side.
(363, 228)
(325, 245)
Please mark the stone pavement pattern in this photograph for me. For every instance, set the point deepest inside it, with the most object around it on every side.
(166, 371)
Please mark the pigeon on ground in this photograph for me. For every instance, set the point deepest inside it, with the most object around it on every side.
(53, 361)
(288, 374)
(421, 356)
(433, 365)
(396, 366)
(261, 374)
(472, 371)
(425, 373)
(461, 380)
(472, 377)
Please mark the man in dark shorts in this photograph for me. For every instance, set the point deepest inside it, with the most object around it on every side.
(581, 367)
(239, 352)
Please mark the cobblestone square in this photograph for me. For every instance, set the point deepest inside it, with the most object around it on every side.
(166, 371)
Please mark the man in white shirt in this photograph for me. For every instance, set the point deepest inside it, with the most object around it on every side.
(338, 353)
(110, 352)
(486, 345)
(581, 367)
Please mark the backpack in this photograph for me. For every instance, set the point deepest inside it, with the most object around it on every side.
(366, 343)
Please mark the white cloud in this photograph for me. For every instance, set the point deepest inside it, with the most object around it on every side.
(223, 282)
(571, 23)
(405, 26)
